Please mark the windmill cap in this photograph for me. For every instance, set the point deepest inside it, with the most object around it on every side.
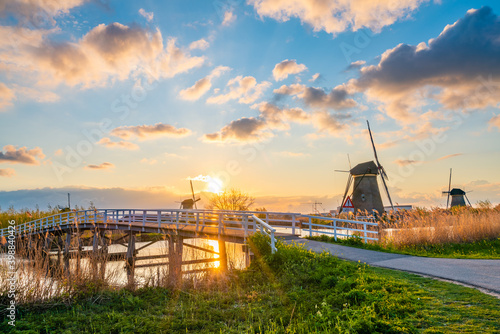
(368, 167)
(456, 191)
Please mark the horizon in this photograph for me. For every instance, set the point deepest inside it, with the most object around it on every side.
(122, 103)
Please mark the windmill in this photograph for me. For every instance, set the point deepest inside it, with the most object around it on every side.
(458, 196)
(363, 177)
(188, 204)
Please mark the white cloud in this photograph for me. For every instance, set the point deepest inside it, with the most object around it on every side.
(147, 15)
(200, 44)
(107, 142)
(104, 165)
(144, 132)
(283, 69)
(229, 17)
(22, 155)
(335, 16)
(244, 89)
(105, 54)
(203, 85)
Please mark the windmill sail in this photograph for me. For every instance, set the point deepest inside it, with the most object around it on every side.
(449, 190)
(383, 174)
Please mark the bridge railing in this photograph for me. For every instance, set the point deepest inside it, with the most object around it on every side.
(225, 221)
(341, 227)
(266, 229)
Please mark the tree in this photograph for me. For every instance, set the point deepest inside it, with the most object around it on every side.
(230, 199)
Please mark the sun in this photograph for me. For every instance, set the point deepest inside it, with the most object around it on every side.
(214, 185)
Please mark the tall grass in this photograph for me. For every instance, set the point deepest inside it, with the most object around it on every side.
(438, 226)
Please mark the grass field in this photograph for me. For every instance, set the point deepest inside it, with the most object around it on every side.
(292, 291)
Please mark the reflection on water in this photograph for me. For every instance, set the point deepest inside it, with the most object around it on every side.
(149, 271)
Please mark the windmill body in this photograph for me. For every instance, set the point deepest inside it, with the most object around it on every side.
(457, 197)
(366, 193)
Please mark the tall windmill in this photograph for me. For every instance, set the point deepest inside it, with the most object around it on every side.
(189, 203)
(365, 193)
(458, 196)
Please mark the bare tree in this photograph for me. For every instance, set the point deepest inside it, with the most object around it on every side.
(231, 199)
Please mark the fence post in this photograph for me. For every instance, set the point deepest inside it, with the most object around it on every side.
(197, 220)
(335, 229)
(293, 224)
(364, 229)
(310, 227)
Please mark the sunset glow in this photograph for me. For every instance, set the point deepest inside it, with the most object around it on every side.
(122, 105)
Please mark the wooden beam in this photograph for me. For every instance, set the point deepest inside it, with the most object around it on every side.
(201, 248)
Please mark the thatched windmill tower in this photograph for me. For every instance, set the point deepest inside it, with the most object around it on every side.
(366, 193)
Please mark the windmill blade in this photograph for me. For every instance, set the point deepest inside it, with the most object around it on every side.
(349, 159)
(467, 198)
(449, 190)
(192, 193)
(387, 192)
(373, 144)
(342, 171)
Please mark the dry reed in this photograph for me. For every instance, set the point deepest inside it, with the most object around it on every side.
(438, 226)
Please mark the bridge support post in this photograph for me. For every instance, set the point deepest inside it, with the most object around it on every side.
(175, 244)
(95, 253)
(222, 256)
(130, 259)
(66, 254)
(104, 256)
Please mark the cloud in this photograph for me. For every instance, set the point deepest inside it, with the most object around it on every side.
(147, 15)
(6, 96)
(406, 162)
(38, 13)
(495, 121)
(244, 89)
(203, 85)
(315, 77)
(338, 98)
(105, 141)
(241, 130)
(7, 172)
(356, 64)
(272, 117)
(200, 44)
(104, 165)
(450, 156)
(282, 70)
(21, 156)
(105, 54)
(145, 132)
(334, 16)
(229, 17)
(459, 68)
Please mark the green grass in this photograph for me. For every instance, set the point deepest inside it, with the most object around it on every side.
(292, 291)
(484, 249)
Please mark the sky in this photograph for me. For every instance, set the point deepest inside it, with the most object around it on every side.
(123, 102)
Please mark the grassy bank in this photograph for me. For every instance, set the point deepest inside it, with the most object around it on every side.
(292, 291)
(483, 249)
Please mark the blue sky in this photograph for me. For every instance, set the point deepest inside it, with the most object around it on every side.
(122, 97)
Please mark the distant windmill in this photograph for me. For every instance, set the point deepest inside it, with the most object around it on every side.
(458, 196)
(188, 204)
(365, 193)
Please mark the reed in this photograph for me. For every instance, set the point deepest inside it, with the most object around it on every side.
(438, 226)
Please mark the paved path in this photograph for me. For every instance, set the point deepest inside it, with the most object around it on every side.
(482, 274)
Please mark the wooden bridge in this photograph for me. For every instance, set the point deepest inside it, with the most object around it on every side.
(63, 234)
